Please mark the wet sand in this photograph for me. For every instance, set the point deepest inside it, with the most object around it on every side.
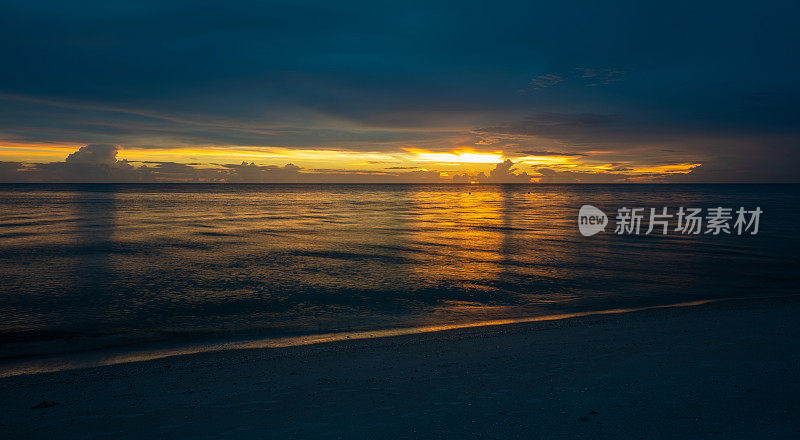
(719, 370)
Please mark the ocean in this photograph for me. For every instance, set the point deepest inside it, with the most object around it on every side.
(98, 266)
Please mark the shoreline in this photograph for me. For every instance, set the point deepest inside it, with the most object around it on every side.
(720, 370)
(123, 355)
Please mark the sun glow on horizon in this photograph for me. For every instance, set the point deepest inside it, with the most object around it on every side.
(566, 161)
(413, 163)
(455, 157)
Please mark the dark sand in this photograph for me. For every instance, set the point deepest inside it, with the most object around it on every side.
(719, 371)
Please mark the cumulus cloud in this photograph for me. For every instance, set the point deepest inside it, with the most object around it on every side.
(504, 172)
(90, 163)
(96, 154)
(245, 172)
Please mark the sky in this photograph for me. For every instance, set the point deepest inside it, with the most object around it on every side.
(434, 91)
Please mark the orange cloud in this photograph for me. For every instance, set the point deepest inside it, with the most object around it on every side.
(682, 168)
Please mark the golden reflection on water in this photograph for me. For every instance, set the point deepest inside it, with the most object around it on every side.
(457, 228)
(466, 238)
(146, 263)
(384, 238)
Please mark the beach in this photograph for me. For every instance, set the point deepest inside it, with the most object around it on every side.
(728, 369)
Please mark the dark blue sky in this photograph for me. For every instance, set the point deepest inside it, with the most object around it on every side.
(629, 86)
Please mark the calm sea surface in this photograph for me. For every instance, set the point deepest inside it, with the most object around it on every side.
(89, 266)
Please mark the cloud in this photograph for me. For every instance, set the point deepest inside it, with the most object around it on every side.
(120, 171)
(777, 161)
(252, 173)
(11, 167)
(12, 171)
(503, 172)
(548, 153)
(95, 154)
(90, 163)
(583, 132)
(553, 176)
(636, 143)
(545, 81)
(574, 127)
(598, 77)
(585, 76)
(97, 163)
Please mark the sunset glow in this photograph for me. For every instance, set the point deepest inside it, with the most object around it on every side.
(457, 156)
